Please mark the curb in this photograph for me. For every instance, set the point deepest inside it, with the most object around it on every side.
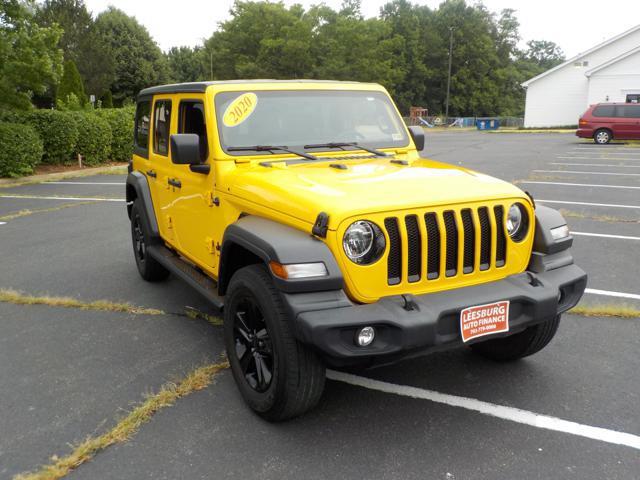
(85, 172)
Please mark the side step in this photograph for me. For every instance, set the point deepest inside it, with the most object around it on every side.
(203, 284)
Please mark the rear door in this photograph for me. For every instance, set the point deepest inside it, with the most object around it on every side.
(160, 167)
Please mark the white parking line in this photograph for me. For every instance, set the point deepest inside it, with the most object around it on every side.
(594, 165)
(589, 173)
(608, 151)
(598, 158)
(512, 414)
(604, 235)
(3, 223)
(536, 182)
(84, 183)
(81, 199)
(607, 293)
(588, 204)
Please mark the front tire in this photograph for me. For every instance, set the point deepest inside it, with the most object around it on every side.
(149, 268)
(278, 377)
(531, 340)
(602, 136)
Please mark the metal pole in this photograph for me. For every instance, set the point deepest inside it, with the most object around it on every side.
(446, 113)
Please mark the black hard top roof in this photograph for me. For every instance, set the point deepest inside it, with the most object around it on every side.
(200, 87)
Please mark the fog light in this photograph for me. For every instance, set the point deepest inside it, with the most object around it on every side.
(559, 233)
(365, 336)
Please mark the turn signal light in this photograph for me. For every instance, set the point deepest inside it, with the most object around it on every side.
(298, 270)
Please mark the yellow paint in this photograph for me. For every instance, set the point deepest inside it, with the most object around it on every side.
(294, 194)
(240, 109)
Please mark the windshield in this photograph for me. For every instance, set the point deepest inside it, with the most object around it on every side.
(298, 118)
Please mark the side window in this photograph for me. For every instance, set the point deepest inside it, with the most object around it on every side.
(604, 111)
(143, 120)
(191, 120)
(629, 111)
(161, 126)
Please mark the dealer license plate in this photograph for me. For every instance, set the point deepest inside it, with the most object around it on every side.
(484, 320)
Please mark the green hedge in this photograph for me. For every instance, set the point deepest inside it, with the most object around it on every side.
(121, 121)
(94, 139)
(58, 131)
(21, 149)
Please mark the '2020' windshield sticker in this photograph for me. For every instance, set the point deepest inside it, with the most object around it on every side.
(240, 109)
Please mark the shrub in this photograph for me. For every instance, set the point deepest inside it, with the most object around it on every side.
(21, 149)
(58, 131)
(11, 116)
(107, 99)
(94, 139)
(71, 84)
(121, 122)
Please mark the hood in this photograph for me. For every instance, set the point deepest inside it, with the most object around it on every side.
(303, 189)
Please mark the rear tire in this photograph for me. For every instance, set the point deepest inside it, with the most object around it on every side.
(602, 136)
(278, 377)
(149, 268)
(520, 345)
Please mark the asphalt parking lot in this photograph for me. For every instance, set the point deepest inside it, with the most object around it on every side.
(570, 411)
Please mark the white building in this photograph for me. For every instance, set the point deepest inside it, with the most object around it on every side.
(609, 72)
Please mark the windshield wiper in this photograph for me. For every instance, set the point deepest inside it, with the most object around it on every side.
(271, 148)
(347, 144)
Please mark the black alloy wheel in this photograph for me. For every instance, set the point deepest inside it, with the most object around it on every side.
(253, 347)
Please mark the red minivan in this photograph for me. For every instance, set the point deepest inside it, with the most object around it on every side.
(605, 121)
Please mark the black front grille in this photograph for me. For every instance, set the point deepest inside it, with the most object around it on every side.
(450, 229)
(433, 246)
(394, 262)
(469, 241)
(501, 240)
(414, 240)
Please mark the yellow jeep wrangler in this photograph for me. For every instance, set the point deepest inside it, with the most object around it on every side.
(304, 212)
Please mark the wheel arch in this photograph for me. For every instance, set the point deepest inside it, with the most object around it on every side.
(137, 188)
(252, 240)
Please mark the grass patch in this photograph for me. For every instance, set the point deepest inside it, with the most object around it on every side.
(195, 314)
(25, 213)
(48, 177)
(599, 218)
(197, 379)
(620, 311)
(18, 298)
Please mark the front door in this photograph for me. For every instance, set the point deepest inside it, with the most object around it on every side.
(194, 207)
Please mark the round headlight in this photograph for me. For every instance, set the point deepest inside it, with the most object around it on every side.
(363, 242)
(517, 222)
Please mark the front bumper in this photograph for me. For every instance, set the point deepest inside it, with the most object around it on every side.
(414, 325)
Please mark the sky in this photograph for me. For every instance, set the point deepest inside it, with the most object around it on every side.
(575, 25)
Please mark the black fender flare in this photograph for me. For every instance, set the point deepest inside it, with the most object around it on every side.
(548, 253)
(272, 241)
(138, 188)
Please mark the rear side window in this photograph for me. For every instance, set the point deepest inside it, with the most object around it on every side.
(604, 111)
(161, 126)
(629, 111)
(141, 134)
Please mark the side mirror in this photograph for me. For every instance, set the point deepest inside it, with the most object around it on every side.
(185, 149)
(417, 134)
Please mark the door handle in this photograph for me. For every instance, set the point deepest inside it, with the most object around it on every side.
(152, 173)
(174, 182)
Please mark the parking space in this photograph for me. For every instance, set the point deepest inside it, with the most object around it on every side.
(569, 411)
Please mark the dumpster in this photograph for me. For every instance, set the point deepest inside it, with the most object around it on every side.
(487, 123)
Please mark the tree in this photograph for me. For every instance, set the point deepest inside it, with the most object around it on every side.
(544, 54)
(139, 62)
(187, 64)
(80, 42)
(71, 84)
(29, 58)
(107, 100)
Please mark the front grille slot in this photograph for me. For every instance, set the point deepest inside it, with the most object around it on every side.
(485, 238)
(469, 241)
(394, 261)
(415, 247)
(501, 240)
(451, 264)
(433, 246)
(457, 242)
